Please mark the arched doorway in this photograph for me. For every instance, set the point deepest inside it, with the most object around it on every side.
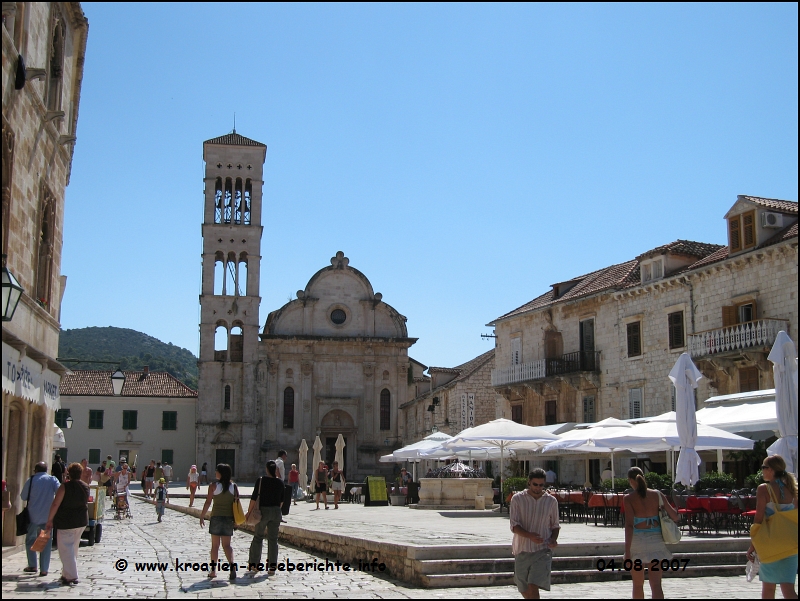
(335, 422)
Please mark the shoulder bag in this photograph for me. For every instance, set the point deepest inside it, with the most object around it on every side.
(238, 512)
(24, 518)
(254, 516)
(669, 529)
(776, 537)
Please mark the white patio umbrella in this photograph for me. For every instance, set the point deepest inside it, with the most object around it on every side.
(302, 464)
(504, 434)
(584, 440)
(660, 433)
(339, 457)
(684, 376)
(784, 360)
(317, 456)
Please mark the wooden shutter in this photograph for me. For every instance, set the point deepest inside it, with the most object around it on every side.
(516, 413)
(634, 339)
(550, 413)
(735, 234)
(588, 409)
(730, 316)
(675, 324)
(587, 335)
(748, 379)
(516, 351)
(635, 403)
(749, 229)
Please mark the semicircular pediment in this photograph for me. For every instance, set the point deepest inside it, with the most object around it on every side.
(337, 418)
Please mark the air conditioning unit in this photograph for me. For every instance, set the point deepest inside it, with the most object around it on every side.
(771, 220)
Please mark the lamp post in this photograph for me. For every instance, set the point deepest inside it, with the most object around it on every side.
(68, 422)
(12, 291)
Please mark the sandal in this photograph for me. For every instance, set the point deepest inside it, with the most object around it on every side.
(29, 570)
(211, 575)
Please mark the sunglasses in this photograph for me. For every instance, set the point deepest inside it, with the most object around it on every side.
(539, 484)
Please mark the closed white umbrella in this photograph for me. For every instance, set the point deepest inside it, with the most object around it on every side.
(58, 438)
(317, 456)
(303, 464)
(684, 376)
(784, 367)
(504, 434)
(339, 457)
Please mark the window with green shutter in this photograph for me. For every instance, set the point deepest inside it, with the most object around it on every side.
(169, 420)
(676, 338)
(61, 417)
(634, 339)
(96, 419)
(167, 456)
(130, 420)
(94, 456)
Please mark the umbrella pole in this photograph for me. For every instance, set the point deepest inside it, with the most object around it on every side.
(586, 483)
(502, 497)
(719, 460)
(612, 471)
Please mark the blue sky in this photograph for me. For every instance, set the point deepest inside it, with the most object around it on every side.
(464, 157)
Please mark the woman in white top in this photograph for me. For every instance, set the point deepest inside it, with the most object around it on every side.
(123, 479)
(192, 482)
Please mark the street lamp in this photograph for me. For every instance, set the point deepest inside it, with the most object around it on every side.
(117, 381)
(12, 291)
(68, 422)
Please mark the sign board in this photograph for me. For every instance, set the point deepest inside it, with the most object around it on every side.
(375, 491)
(467, 410)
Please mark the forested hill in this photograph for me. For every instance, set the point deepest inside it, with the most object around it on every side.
(132, 349)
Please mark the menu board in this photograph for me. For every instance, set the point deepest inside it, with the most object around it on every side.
(375, 493)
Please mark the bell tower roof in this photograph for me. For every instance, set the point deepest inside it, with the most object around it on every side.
(234, 139)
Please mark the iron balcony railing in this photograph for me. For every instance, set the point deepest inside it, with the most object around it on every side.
(543, 368)
(742, 336)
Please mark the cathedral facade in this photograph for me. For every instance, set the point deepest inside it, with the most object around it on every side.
(333, 361)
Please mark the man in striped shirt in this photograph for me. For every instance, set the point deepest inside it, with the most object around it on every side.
(534, 522)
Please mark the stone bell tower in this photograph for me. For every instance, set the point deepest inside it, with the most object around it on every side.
(227, 413)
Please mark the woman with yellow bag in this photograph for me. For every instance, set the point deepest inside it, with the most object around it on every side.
(774, 539)
(225, 496)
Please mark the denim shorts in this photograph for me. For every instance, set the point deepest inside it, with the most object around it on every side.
(220, 525)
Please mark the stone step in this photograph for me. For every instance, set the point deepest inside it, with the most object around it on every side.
(611, 549)
(506, 564)
(566, 576)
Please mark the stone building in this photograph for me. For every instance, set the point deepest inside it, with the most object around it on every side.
(456, 398)
(152, 418)
(333, 361)
(601, 345)
(44, 46)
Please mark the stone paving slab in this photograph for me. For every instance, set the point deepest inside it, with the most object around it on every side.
(180, 537)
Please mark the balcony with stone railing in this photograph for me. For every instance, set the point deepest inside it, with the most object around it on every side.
(582, 361)
(750, 335)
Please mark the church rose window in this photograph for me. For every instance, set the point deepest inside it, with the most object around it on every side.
(338, 317)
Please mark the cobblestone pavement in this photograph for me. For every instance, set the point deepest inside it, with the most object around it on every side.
(179, 537)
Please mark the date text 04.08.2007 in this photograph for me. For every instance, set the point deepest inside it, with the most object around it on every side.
(664, 565)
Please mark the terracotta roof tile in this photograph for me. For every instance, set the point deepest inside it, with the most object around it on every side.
(774, 204)
(715, 257)
(784, 234)
(137, 384)
(234, 139)
(682, 247)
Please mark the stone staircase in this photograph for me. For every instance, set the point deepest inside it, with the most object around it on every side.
(493, 565)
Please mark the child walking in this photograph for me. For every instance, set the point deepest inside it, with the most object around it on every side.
(161, 496)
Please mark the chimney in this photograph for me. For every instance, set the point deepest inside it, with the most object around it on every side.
(146, 370)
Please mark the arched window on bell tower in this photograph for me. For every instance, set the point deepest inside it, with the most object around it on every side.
(218, 198)
(226, 398)
(56, 65)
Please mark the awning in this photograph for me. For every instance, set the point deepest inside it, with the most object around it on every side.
(29, 380)
(51, 395)
(747, 417)
(10, 367)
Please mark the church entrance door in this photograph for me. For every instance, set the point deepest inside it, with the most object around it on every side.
(227, 456)
(330, 453)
